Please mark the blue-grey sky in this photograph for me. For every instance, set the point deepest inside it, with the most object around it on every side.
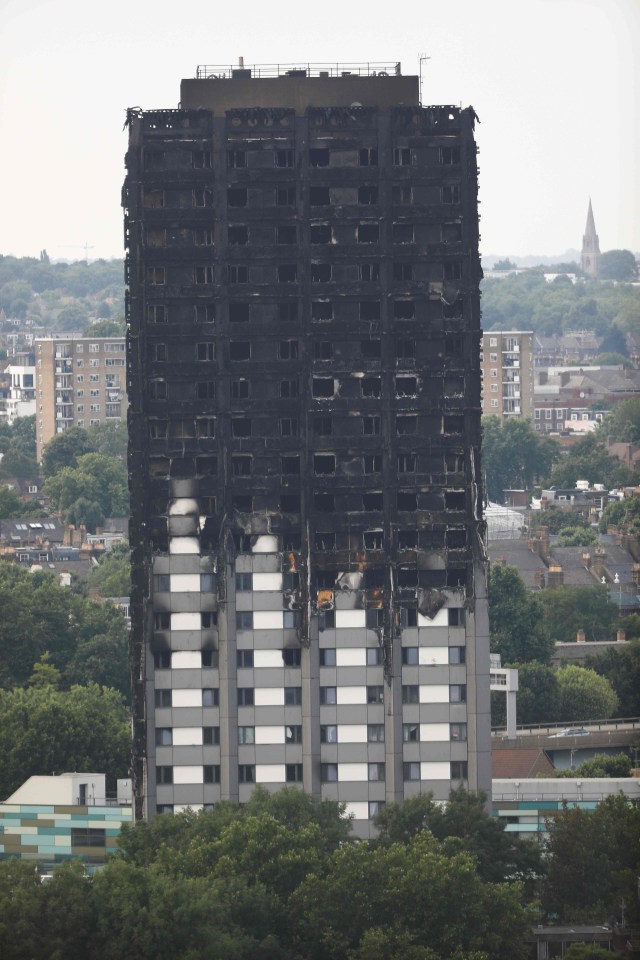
(554, 82)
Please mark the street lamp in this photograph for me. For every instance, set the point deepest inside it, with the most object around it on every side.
(618, 583)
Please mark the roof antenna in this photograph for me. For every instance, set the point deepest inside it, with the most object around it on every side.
(241, 62)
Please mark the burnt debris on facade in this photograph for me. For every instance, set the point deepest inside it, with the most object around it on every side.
(309, 602)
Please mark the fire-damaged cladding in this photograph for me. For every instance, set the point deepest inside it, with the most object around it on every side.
(303, 316)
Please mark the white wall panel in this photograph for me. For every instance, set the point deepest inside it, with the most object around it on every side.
(441, 619)
(270, 773)
(351, 657)
(186, 698)
(434, 731)
(359, 810)
(185, 621)
(267, 581)
(268, 658)
(269, 696)
(352, 733)
(435, 770)
(267, 619)
(350, 618)
(433, 656)
(186, 660)
(434, 693)
(346, 695)
(187, 736)
(184, 583)
(188, 775)
(353, 771)
(266, 735)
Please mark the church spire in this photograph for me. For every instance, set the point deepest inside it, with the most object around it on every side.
(590, 247)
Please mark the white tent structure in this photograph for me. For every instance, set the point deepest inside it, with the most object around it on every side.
(503, 523)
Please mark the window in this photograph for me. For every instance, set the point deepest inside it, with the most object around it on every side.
(459, 769)
(411, 771)
(242, 465)
(156, 276)
(368, 194)
(206, 390)
(449, 155)
(409, 656)
(328, 734)
(244, 620)
(403, 233)
(201, 159)
(407, 424)
(284, 158)
(375, 732)
(369, 271)
(410, 693)
(405, 349)
(376, 772)
(205, 427)
(319, 197)
(375, 807)
(238, 312)
(323, 387)
(328, 696)
(246, 735)
(402, 193)
(210, 736)
(203, 275)
(320, 272)
(209, 658)
(370, 310)
(293, 733)
(286, 233)
(321, 310)
(320, 233)
(318, 157)
(246, 773)
(457, 655)
(368, 232)
(411, 732)
(287, 273)
(329, 772)
(162, 660)
(324, 464)
(324, 542)
(401, 157)
(322, 426)
(293, 773)
(245, 696)
(285, 196)
(403, 271)
(289, 389)
(452, 271)
(164, 775)
(237, 196)
(372, 463)
(451, 193)
(240, 389)
(164, 736)
(203, 197)
(162, 698)
(327, 657)
(324, 502)
(289, 427)
(375, 694)
(290, 465)
(210, 697)
(322, 350)
(244, 658)
(458, 693)
(236, 159)
(371, 349)
(371, 426)
(293, 696)
(372, 540)
(205, 351)
(211, 773)
(368, 157)
(237, 273)
(374, 616)
(458, 731)
(288, 312)
(241, 427)
(238, 235)
(404, 309)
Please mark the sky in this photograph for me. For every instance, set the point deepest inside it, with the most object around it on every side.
(555, 84)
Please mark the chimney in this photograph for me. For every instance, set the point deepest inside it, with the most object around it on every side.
(621, 636)
(580, 636)
(556, 576)
(599, 561)
(635, 574)
(539, 579)
(586, 560)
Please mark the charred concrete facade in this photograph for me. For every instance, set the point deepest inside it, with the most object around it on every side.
(309, 601)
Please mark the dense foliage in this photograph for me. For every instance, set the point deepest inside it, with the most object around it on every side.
(45, 730)
(621, 666)
(86, 640)
(569, 609)
(276, 879)
(525, 301)
(514, 455)
(517, 626)
(61, 296)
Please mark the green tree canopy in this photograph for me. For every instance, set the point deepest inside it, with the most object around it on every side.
(568, 609)
(623, 423)
(588, 460)
(514, 455)
(95, 479)
(463, 823)
(104, 328)
(38, 616)
(112, 576)
(601, 766)
(617, 265)
(622, 513)
(621, 666)
(538, 694)
(584, 695)
(64, 449)
(43, 729)
(593, 860)
(518, 631)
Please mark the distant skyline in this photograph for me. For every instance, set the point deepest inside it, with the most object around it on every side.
(554, 83)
